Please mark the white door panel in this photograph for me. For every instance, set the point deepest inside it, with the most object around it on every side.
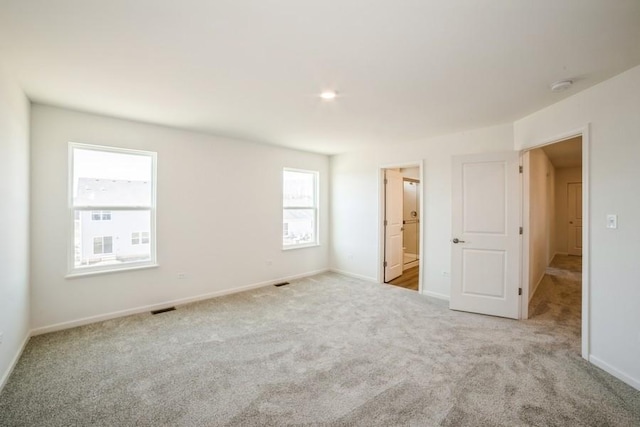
(485, 272)
(484, 211)
(393, 253)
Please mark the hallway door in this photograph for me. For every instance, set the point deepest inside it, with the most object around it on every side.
(574, 214)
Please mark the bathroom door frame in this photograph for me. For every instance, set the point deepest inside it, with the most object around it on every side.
(381, 213)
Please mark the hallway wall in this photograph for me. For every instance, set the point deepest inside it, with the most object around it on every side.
(609, 112)
(14, 222)
(542, 221)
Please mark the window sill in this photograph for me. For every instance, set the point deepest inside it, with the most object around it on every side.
(80, 273)
(310, 245)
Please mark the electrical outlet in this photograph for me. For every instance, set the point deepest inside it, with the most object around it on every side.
(269, 263)
(182, 275)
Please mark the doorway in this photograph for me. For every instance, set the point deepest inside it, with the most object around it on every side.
(553, 242)
(402, 211)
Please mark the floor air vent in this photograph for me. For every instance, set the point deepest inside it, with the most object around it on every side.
(281, 284)
(163, 310)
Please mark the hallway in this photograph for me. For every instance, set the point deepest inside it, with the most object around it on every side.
(559, 297)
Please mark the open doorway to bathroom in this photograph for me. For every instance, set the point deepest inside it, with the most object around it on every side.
(402, 205)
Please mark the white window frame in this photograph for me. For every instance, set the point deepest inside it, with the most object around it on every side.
(73, 271)
(316, 209)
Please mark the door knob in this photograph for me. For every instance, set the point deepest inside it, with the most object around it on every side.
(456, 240)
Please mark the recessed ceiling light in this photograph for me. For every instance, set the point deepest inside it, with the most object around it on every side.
(561, 85)
(328, 95)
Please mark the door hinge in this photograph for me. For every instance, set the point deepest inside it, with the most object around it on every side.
(385, 181)
(519, 291)
(521, 230)
(385, 264)
(385, 222)
(520, 169)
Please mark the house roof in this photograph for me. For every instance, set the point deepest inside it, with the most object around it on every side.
(110, 192)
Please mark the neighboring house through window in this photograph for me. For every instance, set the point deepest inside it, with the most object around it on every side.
(112, 206)
(140, 238)
(101, 216)
(299, 208)
(103, 245)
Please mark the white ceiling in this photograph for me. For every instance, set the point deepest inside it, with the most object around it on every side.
(565, 154)
(251, 69)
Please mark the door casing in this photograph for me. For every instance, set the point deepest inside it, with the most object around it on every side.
(586, 228)
(381, 213)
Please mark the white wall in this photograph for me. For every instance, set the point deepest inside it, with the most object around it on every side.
(541, 216)
(612, 109)
(355, 213)
(219, 217)
(563, 177)
(14, 222)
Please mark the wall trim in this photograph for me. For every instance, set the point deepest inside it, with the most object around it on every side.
(436, 295)
(14, 362)
(535, 288)
(409, 265)
(354, 275)
(635, 383)
(180, 301)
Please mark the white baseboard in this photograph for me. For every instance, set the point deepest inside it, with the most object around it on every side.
(181, 301)
(436, 295)
(354, 275)
(615, 372)
(535, 288)
(14, 362)
(410, 265)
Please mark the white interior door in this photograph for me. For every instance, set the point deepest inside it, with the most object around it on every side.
(574, 214)
(393, 256)
(485, 248)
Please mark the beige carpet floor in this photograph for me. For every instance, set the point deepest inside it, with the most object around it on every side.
(324, 351)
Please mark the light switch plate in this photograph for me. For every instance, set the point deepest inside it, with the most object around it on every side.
(612, 221)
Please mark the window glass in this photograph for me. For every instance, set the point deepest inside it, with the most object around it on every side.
(113, 208)
(300, 210)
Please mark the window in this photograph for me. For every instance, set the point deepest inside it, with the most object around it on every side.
(112, 208)
(101, 216)
(140, 237)
(299, 208)
(102, 245)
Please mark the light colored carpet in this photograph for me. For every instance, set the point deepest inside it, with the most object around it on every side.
(326, 350)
